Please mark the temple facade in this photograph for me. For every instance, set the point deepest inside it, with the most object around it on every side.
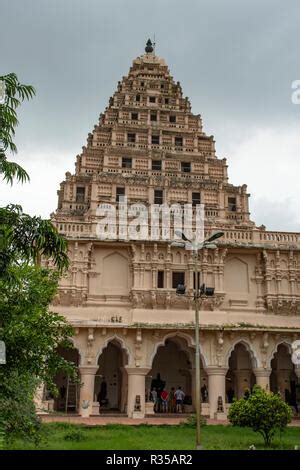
(132, 331)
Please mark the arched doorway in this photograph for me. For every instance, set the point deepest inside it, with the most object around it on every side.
(239, 377)
(172, 367)
(68, 391)
(111, 378)
(283, 378)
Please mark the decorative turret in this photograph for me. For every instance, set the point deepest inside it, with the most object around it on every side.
(149, 47)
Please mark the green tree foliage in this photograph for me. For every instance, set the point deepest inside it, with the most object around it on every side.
(264, 412)
(22, 236)
(15, 94)
(17, 409)
(32, 333)
(26, 238)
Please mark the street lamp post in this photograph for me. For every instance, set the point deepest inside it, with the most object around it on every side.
(197, 355)
(196, 248)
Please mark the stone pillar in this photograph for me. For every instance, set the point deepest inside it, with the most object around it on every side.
(168, 279)
(190, 282)
(262, 377)
(87, 379)
(136, 387)
(124, 390)
(216, 388)
(154, 277)
(216, 278)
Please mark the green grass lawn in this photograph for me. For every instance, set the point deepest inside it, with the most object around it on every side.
(62, 436)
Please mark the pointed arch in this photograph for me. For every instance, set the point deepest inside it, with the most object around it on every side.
(253, 356)
(110, 381)
(284, 342)
(179, 334)
(76, 345)
(122, 344)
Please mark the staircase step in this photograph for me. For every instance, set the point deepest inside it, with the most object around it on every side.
(169, 415)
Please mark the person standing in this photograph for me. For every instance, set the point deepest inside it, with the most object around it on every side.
(204, 393)
(179, 396)
(159, 385)
(164, 400)
(154, 399)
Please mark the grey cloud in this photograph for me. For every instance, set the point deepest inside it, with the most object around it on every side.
(236, 61)
(275, 216)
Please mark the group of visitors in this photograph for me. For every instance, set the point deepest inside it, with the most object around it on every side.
(167, 402)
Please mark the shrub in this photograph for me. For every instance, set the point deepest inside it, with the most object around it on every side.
(18, 418)
(264, 412)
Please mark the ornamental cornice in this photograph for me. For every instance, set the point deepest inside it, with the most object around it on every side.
(283, 305)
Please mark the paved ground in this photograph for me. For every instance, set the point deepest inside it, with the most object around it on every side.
(102, 420)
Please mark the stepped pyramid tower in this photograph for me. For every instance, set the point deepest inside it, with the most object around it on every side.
(120, 294)
(148, 140)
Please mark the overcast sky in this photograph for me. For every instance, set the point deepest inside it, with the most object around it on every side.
(236, 61)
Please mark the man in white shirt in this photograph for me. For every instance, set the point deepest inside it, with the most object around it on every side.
(179, 396)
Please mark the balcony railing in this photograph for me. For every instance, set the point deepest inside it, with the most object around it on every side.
(247, 237)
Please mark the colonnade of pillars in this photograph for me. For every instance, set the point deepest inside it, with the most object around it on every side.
(217, 384)
(137, 382)
(135, 387)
